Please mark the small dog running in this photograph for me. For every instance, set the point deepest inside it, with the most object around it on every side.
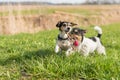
(63, 41)
(88, 45)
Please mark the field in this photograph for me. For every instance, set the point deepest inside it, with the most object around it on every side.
(32, 57)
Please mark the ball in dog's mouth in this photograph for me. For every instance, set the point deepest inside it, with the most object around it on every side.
(76, 43)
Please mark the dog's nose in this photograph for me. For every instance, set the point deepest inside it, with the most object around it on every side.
(68, 28)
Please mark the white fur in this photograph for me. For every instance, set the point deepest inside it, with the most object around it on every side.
(98, 29)
(63, 45)
(89, 46)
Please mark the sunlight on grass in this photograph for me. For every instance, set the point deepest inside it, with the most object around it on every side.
(31, 56)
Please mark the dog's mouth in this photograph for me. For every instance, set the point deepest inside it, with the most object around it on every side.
(76, 43)
(66, 31)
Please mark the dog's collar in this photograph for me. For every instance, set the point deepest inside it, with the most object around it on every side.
(59, 38)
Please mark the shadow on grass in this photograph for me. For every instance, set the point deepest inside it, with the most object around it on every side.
(27, 55)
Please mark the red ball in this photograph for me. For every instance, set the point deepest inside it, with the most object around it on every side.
(76, 43)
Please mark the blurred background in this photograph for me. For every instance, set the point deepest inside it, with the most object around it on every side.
(30, 16)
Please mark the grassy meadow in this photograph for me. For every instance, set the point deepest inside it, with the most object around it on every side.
(32, 57)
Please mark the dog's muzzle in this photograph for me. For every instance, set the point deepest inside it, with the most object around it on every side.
(67, 30)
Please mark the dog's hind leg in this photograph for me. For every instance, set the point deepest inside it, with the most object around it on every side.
(101, 50)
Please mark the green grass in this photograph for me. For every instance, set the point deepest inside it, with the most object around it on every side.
(32, 57)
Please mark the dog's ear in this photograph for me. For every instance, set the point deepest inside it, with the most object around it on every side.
(83, 31)
(73, 24)
(58, 24)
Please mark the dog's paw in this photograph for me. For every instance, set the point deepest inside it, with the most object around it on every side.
(56, 49)
(69, 52)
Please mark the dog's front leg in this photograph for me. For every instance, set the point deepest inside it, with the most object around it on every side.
(84, 50)
(56, 48)
(85, 54)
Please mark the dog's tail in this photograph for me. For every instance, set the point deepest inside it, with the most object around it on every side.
(99, 30)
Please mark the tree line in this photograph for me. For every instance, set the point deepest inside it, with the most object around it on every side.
(102, 2)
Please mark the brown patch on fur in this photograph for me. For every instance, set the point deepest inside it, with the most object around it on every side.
(73, 38)
(62, 28)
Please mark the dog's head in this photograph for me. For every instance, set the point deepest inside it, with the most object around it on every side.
(77, 33)
(65, 26)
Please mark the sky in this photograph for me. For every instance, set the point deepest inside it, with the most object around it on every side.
(52, 1)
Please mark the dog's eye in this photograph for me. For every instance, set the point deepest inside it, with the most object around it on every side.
(76, 32)
(64, 25)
